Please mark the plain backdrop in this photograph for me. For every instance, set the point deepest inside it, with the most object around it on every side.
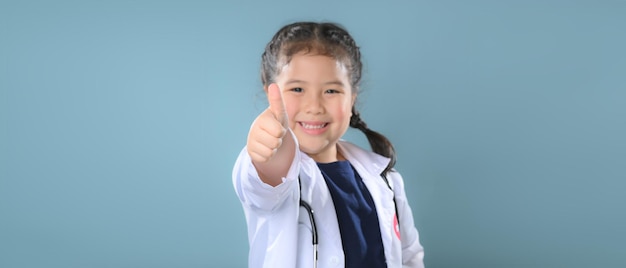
(120, 122)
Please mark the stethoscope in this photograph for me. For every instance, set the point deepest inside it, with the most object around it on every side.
(310, 212)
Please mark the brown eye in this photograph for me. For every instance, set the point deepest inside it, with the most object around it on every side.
(332, 91)
(296, 89)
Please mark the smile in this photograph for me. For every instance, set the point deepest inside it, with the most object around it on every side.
(313, 126)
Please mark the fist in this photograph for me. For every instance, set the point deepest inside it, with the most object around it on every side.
(268, 129)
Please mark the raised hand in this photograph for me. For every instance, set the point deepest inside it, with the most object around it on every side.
(266, 139)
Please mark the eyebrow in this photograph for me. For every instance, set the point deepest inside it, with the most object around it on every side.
(296, 81)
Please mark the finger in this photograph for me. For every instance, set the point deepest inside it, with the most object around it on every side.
(277, 106)
(260, 153)
(258, 158)
(272, 126)
(269, 140)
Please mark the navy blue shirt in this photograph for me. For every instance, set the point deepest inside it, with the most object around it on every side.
(356, 213)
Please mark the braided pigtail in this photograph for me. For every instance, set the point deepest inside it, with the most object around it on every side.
(379, 143)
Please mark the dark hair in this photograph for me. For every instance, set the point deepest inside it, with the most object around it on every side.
(331, 40)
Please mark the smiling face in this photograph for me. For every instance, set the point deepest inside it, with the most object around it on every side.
(318, 98)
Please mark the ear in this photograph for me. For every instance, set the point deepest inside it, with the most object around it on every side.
(352, 107)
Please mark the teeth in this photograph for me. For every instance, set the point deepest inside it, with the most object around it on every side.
(307, 126)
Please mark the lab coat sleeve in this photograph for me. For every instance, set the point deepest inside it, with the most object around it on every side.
(412, 250)
(271, 213)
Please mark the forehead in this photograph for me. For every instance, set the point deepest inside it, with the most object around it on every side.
(313, 67)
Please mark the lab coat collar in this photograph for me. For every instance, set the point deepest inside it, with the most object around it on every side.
(351, 151)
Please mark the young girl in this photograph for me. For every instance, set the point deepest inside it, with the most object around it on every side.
(310, 198)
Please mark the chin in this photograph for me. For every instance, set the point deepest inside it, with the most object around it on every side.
(310, 150)
(314, 149)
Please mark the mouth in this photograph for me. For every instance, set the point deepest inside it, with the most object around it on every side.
(312, 126)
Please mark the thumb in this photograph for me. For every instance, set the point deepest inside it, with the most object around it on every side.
(277, 106)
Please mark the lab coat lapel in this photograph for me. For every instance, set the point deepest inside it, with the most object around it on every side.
(318, 196)
(369, 166)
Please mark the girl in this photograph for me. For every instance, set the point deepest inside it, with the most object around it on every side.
(311, 199)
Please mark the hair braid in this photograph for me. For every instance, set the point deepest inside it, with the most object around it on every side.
(379, 143)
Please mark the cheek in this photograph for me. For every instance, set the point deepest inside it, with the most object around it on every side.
(292, 109)
(343, 111)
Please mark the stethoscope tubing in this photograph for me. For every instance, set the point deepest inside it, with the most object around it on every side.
(309, 211)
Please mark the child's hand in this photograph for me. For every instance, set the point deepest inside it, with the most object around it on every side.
(267, 131)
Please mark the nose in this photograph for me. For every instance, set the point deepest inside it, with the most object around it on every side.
(313, 104)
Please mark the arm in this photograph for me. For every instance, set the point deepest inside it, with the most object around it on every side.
(265, 179)
(412, 250)
(269, 159)
(270, 211)
(257, 195)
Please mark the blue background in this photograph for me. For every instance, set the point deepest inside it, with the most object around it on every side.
(121, 120)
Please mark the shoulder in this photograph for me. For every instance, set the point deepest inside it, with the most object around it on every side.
(373, 161)
(352, 149)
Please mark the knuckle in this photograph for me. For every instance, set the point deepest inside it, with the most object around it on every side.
(279, 142)
(274, 143)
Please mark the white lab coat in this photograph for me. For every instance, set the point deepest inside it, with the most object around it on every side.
(279, 231)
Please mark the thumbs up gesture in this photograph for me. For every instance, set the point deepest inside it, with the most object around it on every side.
(265, 139)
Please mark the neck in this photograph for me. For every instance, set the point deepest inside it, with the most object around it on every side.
(329, 156)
